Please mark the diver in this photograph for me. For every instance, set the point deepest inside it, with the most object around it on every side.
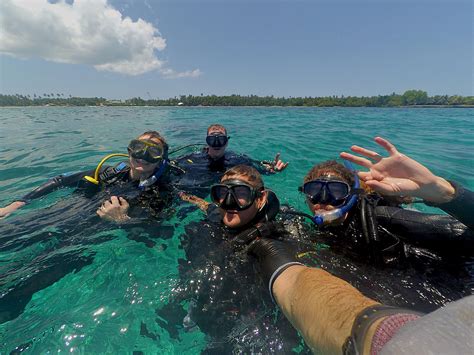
(217, 279)
(147, 169)
(70, 230)
(211, 162)
(368, 212)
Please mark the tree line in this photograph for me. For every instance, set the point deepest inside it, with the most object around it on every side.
(408, 98)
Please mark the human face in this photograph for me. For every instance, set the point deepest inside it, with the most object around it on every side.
(239, 218)
(140, 168)
(325, 194)
(213, 152)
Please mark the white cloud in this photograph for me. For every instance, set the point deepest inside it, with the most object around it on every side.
(87, 32)
(171, 74)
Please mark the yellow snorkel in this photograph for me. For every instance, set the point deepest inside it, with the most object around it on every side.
(95, 179)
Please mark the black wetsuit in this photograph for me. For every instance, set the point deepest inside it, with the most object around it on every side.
(116, 180)
(388, 233)
(226, 297)
(201, 171)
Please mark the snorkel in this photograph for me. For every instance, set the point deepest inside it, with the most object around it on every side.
(326, 218)
(155, 176)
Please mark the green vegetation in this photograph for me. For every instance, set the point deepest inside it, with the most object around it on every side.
(409, 98)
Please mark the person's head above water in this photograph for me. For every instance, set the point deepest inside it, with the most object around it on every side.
(240, 195)
(217, 141)
(327, 187)
(146, 153)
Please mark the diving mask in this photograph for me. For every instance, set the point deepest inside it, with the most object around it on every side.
(145, 150)
(217, 140)
(325, 191)
(234, 195)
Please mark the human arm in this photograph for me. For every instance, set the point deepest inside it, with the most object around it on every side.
(321, 306)
(443, 233)
(12, 207)
(199, 202)
(63, 180)
(400, 175)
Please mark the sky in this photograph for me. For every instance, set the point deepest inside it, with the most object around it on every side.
(120, 49)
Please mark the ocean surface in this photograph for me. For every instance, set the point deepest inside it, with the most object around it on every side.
(65, 287)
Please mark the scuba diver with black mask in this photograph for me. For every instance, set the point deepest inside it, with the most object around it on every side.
(369, 212)
(207, 166)
(147, 169)
(218, 278)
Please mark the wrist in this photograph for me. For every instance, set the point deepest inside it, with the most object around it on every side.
(123, 218)
(441, 191)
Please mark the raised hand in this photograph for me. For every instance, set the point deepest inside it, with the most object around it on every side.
(398, 174)
(276, 165)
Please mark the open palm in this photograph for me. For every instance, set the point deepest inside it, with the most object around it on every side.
(395, 175)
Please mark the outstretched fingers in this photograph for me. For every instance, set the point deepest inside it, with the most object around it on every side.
(356, 160)
(367, 153)
(389, 147)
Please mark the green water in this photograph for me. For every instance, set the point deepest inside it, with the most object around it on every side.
(100, 307)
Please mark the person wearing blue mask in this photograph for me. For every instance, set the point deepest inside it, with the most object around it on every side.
(335, 317)
(365, 207)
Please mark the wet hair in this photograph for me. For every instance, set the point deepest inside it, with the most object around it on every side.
(156, 136)
(251, 175)
(217, 126)
(330, 167)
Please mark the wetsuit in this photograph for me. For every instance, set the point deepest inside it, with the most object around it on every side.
(116, 180)
(201, 171)
(226, 297)
(387, 233)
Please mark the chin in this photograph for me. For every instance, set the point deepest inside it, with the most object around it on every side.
(232, 220)
(215, 154)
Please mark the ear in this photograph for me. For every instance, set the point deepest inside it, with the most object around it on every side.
(262, 199)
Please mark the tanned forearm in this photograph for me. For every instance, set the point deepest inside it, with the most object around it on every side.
(321, 306)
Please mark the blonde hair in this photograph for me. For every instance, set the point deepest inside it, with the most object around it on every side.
(218, 127)
(251, 175)
(156, 136)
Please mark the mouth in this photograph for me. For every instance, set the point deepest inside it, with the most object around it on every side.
(321, 208)
(141, 163)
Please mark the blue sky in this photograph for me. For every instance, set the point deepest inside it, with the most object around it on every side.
(262, 47)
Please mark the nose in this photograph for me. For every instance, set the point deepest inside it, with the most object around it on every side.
(323, 195)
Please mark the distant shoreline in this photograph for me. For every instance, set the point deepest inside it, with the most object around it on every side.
(245, 106)
(409, 99)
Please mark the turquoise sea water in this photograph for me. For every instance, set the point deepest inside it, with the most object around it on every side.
(100, 306)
